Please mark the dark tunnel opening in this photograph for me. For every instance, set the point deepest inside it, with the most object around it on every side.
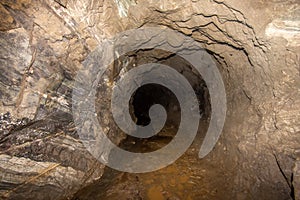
(150, 94)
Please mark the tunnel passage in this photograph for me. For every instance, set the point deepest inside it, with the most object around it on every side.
(141, 101)
(147, 95)
(140, 57)
(150, 94)
(256, 43)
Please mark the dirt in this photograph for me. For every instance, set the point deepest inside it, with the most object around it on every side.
(188, 178)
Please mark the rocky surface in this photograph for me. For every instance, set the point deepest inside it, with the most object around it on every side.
(296, 180)
(40, 155)
(43, 44)
(31, 179)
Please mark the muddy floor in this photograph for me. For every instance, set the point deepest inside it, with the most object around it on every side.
(188, 178)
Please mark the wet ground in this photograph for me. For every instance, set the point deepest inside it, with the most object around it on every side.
(188, 178)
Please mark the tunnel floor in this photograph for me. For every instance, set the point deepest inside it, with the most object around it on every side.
(188, 178)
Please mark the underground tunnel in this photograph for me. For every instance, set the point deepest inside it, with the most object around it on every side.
(148, 95)
(48, 49)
